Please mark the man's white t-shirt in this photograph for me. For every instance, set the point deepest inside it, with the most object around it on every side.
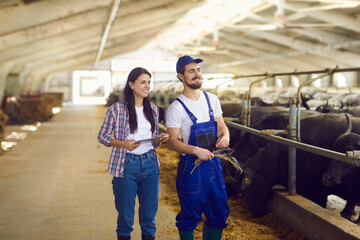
(177, 117)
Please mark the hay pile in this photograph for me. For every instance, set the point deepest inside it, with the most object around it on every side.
(30, 110)
(3, 121)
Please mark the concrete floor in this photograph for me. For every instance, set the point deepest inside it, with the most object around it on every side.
(54, 184)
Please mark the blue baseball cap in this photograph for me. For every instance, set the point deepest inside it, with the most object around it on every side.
(184, 60)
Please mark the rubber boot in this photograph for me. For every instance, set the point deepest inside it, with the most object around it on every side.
(212, 233)
(124, 238)
(186, 235)
(147, 238)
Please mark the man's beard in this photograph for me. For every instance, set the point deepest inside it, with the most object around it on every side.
(193, 85)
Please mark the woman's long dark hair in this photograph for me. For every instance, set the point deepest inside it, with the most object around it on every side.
(130, 100)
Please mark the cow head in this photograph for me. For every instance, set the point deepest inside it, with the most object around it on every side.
(256, 190)
(233, 175)
(339, 172)
(232, 170)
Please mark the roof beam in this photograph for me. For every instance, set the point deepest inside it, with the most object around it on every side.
(266, 47)
(22, 16)
(104, 38)
(37, 75)
(74, 22)
(286, 59)
(130, 43)
(90, 34)
(86, 50)
(315, 34)
(54, 28)
(342, 56)
(322, 36)
(291, 53)
(91, 43)
(93, 31)
(246, 52)
(328, 16)
(270, 49)
(6, 3)
(226, 12)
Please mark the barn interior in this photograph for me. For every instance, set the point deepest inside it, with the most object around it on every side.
(63, 62)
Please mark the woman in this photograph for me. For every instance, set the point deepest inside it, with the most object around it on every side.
(134, 165)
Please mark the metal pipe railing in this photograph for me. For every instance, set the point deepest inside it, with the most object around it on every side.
(327, 73)
(350, 157)
(248, 119)
(266, 76)
(292, 150)
(294, 125)
(335, 70)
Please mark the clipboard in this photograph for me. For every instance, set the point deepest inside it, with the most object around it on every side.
(147, 139)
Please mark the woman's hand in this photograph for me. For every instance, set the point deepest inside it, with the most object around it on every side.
(164, 137)
(130, 145)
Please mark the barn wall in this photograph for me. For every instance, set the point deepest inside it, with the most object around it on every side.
(61, 82)
(12, 84)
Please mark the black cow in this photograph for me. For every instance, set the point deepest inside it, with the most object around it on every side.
(247, 145)
(343, 179)
(352, 99)
(355, 111)
(262, 118)
(269, 166)
(231, 109)
(258, 114)
(326, 108)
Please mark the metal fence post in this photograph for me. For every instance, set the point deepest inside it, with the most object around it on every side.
(292, 150)
(245, 118)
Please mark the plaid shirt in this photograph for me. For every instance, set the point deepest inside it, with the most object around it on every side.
(117, 121)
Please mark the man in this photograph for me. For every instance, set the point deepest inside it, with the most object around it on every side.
(197, 116)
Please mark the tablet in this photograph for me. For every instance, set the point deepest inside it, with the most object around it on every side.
(147, 139)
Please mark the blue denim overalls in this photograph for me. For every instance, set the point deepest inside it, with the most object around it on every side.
(203, 191)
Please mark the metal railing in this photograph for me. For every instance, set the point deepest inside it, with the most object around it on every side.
(294, 124)
(351, 157)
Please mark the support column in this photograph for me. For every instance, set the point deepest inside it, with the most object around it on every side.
(4, 71)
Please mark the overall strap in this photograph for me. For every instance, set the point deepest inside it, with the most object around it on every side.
(211, 111)
(192, 117)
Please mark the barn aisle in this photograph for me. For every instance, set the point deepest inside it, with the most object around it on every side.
(54, 184)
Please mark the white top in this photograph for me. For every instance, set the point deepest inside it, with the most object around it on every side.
(177, 117)
(143, 132)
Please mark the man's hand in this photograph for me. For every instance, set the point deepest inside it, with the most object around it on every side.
(203, 154)
(222, 142)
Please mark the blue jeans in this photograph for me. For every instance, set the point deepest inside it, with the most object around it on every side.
(141, 177)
